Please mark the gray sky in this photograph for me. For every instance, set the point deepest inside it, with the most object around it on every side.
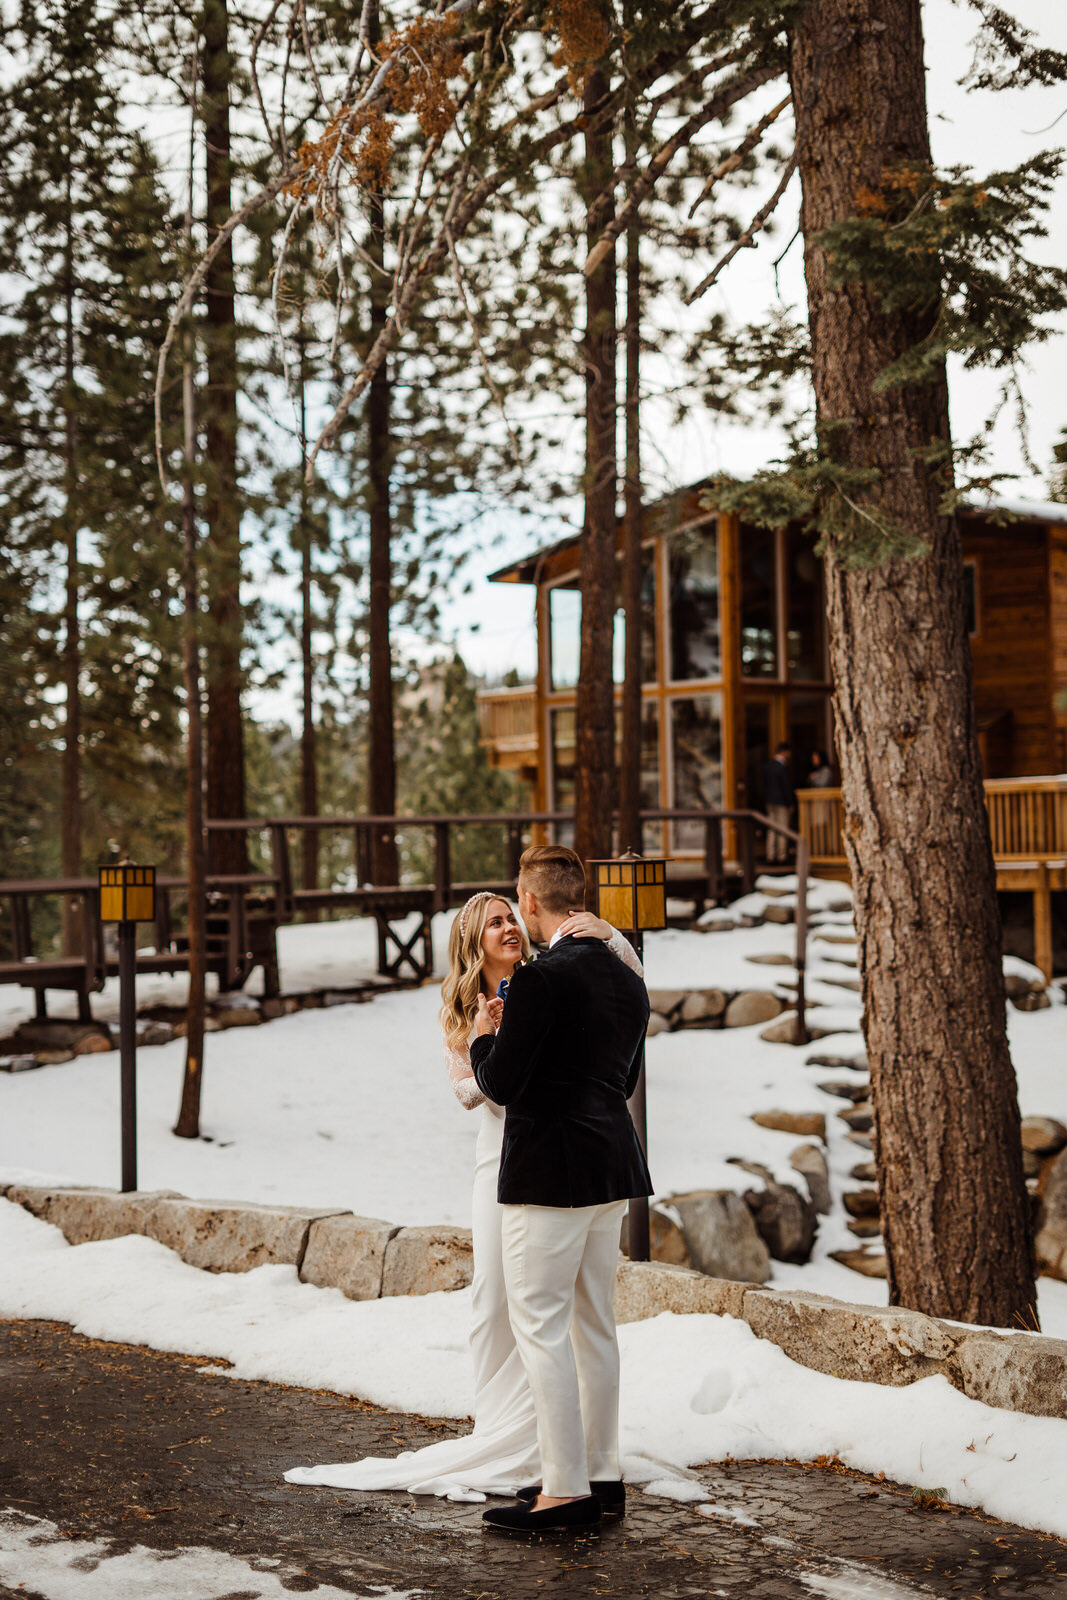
(493, 626)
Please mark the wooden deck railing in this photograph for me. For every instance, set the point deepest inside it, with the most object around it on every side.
(1027, 820)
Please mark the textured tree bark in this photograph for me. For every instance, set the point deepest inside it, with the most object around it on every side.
(630, 835)
(954, 1205)
(188, 1123)
(70, 801)
(381, 751)
(222, 517)
(309, 776)
(594, 754)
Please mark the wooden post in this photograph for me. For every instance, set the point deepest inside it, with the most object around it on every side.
(713, 856)
(442, 866)
(1043, 923)
(746, 830)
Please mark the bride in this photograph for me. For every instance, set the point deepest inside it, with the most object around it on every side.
(486, 944)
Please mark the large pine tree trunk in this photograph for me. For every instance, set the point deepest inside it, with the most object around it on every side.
(70, 802)
(381, 752)
(225, 735)
(630, 835)
(954, 1205)
(594, 754)
(188, 1123)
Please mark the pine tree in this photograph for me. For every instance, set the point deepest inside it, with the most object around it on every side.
(84, 233)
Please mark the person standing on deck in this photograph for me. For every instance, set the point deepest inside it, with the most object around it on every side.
(779, 799)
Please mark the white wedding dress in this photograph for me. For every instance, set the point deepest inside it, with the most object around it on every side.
(500, 1454)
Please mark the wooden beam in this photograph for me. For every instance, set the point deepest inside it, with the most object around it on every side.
(1043, 923)
(729, 535)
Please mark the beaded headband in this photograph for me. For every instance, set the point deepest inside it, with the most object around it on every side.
(482, 894)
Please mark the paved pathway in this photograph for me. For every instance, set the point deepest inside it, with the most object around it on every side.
(130, 1475)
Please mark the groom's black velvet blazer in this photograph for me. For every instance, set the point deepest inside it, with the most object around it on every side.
(564, 1063)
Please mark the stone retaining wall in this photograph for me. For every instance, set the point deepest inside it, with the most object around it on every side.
(366, 1258)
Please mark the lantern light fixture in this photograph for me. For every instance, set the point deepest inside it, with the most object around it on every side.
(631, 892)
(127, 893)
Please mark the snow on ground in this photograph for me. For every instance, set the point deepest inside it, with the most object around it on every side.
(694, 1388)
(37, 1554)
(350, 1106)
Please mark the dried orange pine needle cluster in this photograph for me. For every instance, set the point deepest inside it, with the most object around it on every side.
(583, 32)
(425, 56)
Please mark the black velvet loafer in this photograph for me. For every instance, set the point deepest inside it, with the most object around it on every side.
(611, 1492)
(574, 1516)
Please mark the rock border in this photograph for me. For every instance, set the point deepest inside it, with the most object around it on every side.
(366, 1259)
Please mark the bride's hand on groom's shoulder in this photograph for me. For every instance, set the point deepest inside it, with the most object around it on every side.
(489, 1014)
(584, 925)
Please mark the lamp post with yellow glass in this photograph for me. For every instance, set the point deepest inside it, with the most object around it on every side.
(127, 897)
(631, 894)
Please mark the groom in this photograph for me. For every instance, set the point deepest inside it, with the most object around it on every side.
(564, 1063)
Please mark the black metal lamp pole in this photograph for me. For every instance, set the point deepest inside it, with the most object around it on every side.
(127, 897)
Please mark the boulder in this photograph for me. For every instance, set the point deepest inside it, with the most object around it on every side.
(1032, 1164)
(856, 1063)
(666, 1001)
(805, 1124)
(157, 1033)
(59, 1035)
(855, 1092)
(53, 1058)
(701, 1006)
(93, 1044)
(787, 1031)
(865, 1227)
(866, 1343)
(785, 1221)
(864, 1172)
(1032, 1002)
(780, 913)
(862, 1202)
(1050, 1242)
(864, 1140)
(348, 1253)
(666, 1241)
(721, 1236)
(18, 1063)
(425, 1260)
(843, 983)
(1018, 983)
(772, 958)
(752, 1006)
(810, 1162)
(1043, 1135)
(236, 1016)
(233, 1236)
(1015, 1371)
(869, 1263)
(86, 1214)
(859, 1118)
(647, 1288)
(656, 1024)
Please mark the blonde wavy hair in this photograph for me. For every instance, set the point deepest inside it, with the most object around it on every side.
(466, 963)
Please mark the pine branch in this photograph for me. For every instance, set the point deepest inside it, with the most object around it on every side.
(748, 238)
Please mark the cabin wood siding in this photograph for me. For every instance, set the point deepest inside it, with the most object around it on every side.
(1057, 577)
(1012, 648)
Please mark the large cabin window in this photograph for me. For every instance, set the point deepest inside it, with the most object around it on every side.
(805, 649)
(648, 624)
(562, 727)
(696, 761)
(695, 638)
(759, 603)
(564, 636)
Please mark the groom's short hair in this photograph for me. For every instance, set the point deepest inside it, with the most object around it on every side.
(555, 875)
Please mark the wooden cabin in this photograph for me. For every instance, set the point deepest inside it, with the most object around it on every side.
(735, 655)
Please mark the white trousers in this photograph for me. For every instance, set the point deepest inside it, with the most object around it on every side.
(559, 1269)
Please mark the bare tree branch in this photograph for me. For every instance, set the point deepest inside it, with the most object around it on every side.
(748, 238)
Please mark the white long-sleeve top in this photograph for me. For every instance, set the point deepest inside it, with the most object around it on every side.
(465, 1086)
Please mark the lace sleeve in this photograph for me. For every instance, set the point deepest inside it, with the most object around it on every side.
(462, 1079)
(620, 946)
